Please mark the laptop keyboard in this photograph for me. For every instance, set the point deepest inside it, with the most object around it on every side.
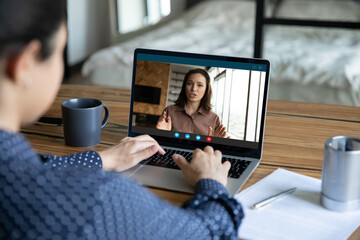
(238, 166)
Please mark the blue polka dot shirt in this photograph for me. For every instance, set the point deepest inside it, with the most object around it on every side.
(70, 197)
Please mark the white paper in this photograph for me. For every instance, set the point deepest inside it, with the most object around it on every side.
(296, 216)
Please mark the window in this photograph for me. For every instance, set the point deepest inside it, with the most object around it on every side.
(136, 14)
(251, 121)
(237, 101)
(219, 87)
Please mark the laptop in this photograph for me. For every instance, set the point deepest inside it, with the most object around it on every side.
(239, 98)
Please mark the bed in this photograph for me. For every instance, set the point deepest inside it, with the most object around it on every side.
(308, 64)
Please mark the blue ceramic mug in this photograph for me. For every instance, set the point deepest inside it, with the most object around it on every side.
(83, 120)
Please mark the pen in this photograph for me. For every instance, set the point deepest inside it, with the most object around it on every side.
(273, 198)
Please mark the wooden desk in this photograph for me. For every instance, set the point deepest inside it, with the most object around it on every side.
(294, 137)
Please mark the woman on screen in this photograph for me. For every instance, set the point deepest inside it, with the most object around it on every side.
(192, 110)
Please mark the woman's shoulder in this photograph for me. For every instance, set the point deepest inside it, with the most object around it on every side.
(16, 149)
(213, 114)
(214, 118)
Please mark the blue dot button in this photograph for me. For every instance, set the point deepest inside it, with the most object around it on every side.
(176, 134)
(187, 136)
(198, 137)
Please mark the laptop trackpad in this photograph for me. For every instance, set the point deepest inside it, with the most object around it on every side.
(166, 178)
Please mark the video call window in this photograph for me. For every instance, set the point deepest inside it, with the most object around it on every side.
(236, 96)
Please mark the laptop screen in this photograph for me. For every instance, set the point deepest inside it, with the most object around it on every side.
(192, 100)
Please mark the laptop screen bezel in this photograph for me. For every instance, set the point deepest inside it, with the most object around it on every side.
(191, 144)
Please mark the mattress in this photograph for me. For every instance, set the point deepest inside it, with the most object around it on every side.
(299, 56)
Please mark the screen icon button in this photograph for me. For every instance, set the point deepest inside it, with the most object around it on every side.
(198, 137)
(177, 134)
(187, 136)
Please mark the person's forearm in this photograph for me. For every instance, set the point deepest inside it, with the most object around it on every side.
(212, 203)
(87, 160)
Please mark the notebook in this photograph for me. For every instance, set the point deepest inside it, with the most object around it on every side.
(165, 83)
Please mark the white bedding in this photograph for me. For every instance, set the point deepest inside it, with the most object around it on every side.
(306, 56)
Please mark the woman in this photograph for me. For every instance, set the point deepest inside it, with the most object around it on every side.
(192, 110)
(72, 197)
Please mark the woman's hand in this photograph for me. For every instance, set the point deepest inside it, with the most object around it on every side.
(219, 132)
(129, 152)
(204, 164)
(164, 122)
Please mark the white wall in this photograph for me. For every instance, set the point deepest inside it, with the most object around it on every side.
(177, 7)
(88, 26)
(131, 14)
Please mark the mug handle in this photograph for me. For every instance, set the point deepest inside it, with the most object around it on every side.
(106, 117)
